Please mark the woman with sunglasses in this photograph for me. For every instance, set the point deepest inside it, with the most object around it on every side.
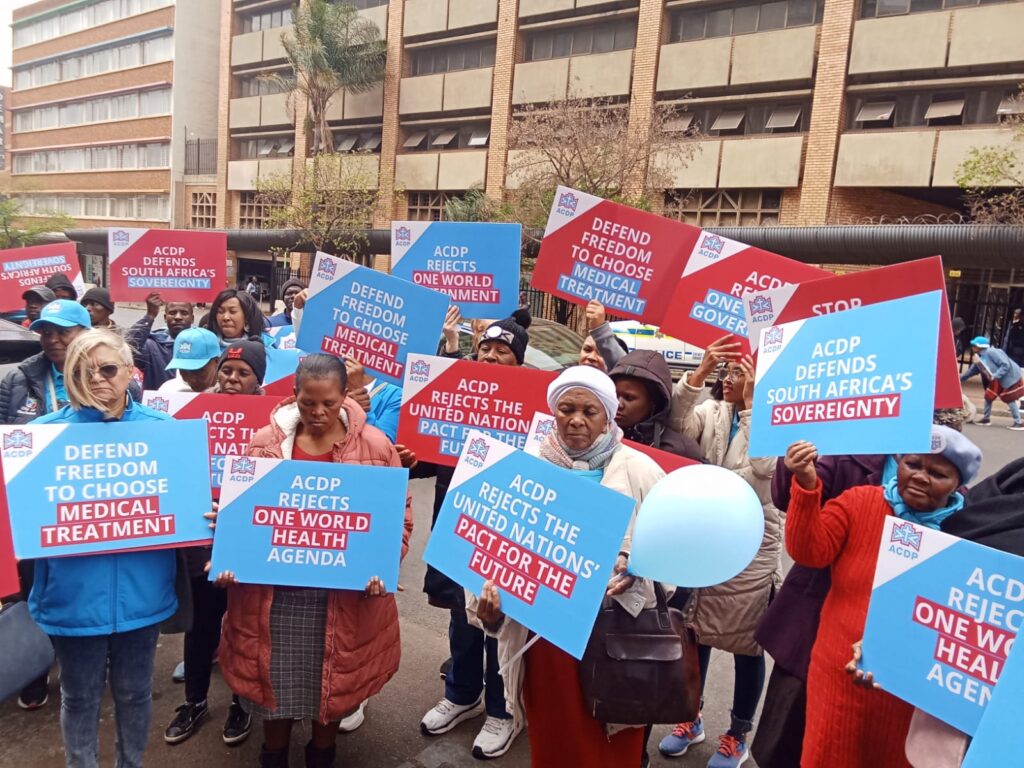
(726, 615)
(103, 611)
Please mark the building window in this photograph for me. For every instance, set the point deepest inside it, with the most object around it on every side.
(278, 17)
(985, 106)
(724, 22)
(751, 120)
(873, 8)
(100, 158)
(362, 5)
(617, 35)
(265, 147)
(429, 206)
(133, 54)
(139, 207)
(80, 18)
(122, 107)
(202, 213)
(453, 58)
(365, 141)
(724, 207)
(442, 137)
(257, 85)
(254, 210)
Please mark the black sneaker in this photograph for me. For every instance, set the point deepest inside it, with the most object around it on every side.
(237, 725)
(186, 722)
(35, 694)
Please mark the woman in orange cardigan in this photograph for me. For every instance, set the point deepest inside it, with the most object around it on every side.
(850, 726)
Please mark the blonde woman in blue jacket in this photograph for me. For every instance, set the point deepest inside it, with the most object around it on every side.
(103, 611)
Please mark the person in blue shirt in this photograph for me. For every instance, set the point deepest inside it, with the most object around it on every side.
(289, 291)
(995, 365)
(103, 611)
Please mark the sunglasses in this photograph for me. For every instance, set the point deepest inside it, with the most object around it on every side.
(108, 371)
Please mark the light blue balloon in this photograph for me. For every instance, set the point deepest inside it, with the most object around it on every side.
(699, 526)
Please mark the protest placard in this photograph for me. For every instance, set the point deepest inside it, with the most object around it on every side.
(9, 582)
(943, 616)
(858, 289)
(444, 398)
(24, 268)
(627, 259)
(279, 379)
(183, 265)
(76, 489)
(848, 381)
(283, 336)
(547, 538)
(378, 319)
(1001, 716)
(231, 421)
(544, 423)
(707, 301)
(310, 523)
(476, 264)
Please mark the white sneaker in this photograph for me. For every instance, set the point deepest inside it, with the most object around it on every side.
(495, 738)
(353, 721)
(447, 714)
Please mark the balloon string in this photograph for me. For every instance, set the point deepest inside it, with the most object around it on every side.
(517, 654)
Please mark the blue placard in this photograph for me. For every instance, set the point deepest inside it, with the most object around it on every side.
(547, 538)
(1001, 718)
(310, 523)
(474, 263)
(283, 336)
(943, 617)
(861, 381)
(76, 489)
(378, 319)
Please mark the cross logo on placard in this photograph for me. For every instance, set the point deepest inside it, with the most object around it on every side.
(773, 335)
(120, 237)
(243, 466)
(907, 535)
(19, 438)
(403, 236)
(760, 305)
(160, 404)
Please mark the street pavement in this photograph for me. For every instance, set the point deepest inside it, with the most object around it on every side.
(390, 737)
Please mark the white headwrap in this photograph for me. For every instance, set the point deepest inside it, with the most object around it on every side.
(590, 379)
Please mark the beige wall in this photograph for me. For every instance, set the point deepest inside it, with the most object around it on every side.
(954, 147)
(254, 47)
(700, 64)
(698, 172)
(416, 171)
(877, 159)
(355, 167)
(379, 16)
(536, 7)
(421, 94)
(257, 111)
(761, 163)
(784, 55)
(987, 35)
(601, 74)
(540, 81)
(468, 89)
(522, 165)
(242, 174)
(423, 17)
(899, 43)
(462, 170)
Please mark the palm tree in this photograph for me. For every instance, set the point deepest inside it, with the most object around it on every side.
(331, 47)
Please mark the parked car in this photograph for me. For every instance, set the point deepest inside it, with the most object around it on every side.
(16, 344)
(679, 355)
(552, 346)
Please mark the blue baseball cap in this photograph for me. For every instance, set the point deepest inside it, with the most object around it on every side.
(64, 313)
(194, 348)
(981, 342)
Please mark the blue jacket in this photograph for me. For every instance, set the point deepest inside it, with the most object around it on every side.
(153, 351)
(103, 594)
(385, 405)
(995, 364)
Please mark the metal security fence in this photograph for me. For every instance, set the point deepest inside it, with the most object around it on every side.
(200, 157)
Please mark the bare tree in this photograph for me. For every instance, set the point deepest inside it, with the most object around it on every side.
(993, 177)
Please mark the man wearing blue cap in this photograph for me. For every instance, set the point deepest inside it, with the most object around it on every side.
(36, 387)
(1005, 377)
(196, 353)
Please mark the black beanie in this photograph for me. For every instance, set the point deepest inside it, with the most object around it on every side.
(252, 353)
(58, 281)
(293, 282)
(509, 332)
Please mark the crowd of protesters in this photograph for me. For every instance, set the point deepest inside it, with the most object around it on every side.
(318, 655)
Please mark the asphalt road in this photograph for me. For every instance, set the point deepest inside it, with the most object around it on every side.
(390, 738)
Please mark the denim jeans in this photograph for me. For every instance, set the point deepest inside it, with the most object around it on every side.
(83, 674)
(474, 655)
(1014, 410)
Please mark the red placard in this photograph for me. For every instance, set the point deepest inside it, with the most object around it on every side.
(707, 302)
(835, 294)
(444, 398)
(595, 249)
(231, 420)
(182, 265)
(24, 268)
(9, 582)
(667, 461)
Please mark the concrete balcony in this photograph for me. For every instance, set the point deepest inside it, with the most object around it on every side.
(955, 145)
(457, 170)
(447, 92)
(256, 47)
(765, 162)
(345, 105)
(351, 171)
(602, 74)
(785, 55)
(538, 7)
(243, 174)
(885, 159)
(426, 17)
(259, 111)
(379, 16)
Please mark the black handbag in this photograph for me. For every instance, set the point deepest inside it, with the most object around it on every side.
(643, 670)
(27, 650)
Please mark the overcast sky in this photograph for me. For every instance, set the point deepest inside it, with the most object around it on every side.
(6, 6)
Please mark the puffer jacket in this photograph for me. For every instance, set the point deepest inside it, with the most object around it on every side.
(362, 646)
(726, 615)
(650, 366)
(23, 394)
(102, 594)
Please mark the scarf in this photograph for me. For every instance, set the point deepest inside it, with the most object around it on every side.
(928, 519)
(596, 456)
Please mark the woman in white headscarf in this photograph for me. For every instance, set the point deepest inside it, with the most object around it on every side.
(545, 680)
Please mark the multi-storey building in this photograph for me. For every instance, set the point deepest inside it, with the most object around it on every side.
(4, 100)
(811, 111)
(106, 94)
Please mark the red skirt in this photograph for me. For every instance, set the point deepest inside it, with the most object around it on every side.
(1016, 392)
(561, 730)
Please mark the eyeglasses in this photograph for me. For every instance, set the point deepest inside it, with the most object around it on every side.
(108, 371)
(734, 375)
